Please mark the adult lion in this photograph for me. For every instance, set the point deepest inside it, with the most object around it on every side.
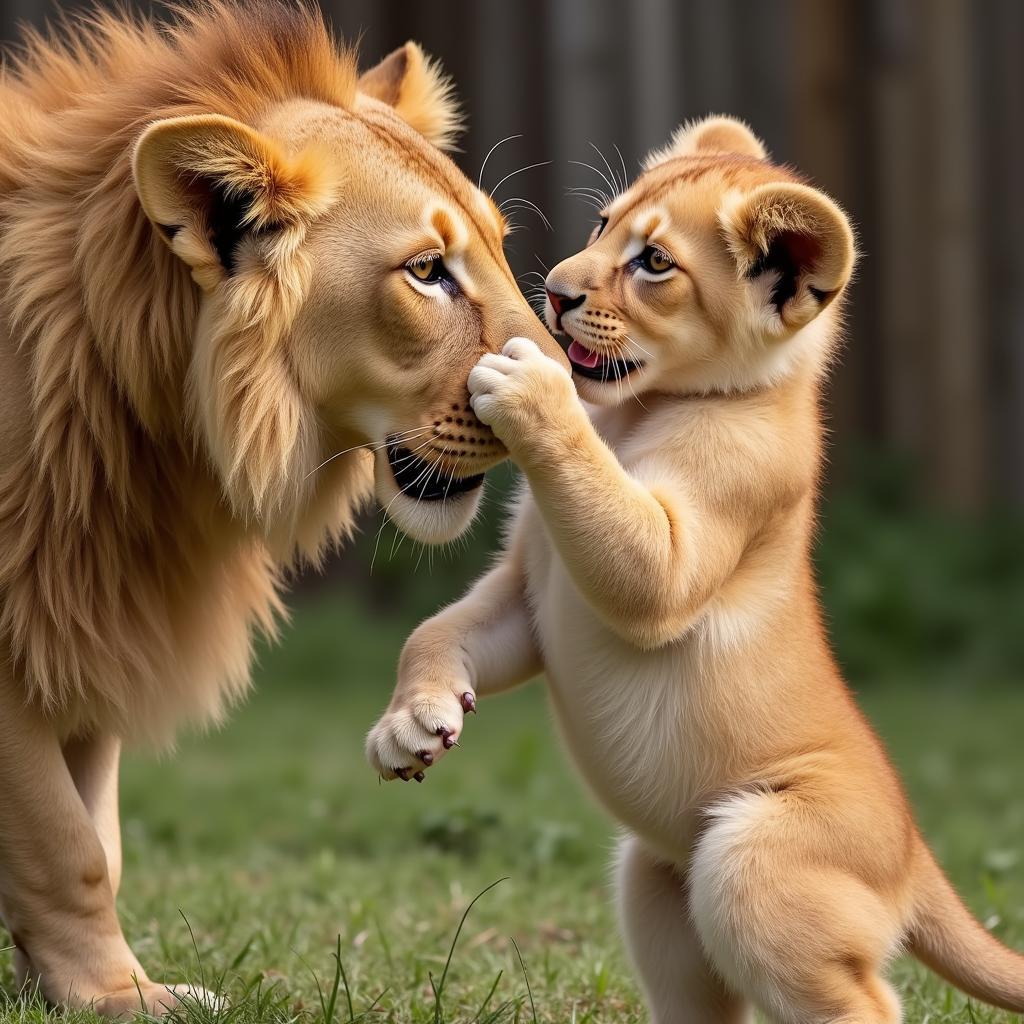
(225, 257)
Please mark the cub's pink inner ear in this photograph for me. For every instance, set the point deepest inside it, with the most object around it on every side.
(420, 93)
(796, 237)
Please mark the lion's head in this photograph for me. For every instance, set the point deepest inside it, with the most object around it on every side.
(349, 274)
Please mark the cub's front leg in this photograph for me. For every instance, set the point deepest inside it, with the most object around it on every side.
(424, 719)
(480, 645)
(678, 536)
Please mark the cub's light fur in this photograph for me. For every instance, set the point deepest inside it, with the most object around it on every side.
(658, 571)
(205, 233)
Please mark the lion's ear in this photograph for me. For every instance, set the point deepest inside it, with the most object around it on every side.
(712, 136)
(798, 240)
(208, 181)
(422, 95)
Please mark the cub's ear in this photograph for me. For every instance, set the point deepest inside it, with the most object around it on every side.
(798, 239)
(207, 182)
(713, 135)
(422, 95)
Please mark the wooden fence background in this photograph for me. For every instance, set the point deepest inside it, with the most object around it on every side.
(910, 112)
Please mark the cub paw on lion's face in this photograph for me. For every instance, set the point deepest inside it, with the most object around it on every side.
(351, 277)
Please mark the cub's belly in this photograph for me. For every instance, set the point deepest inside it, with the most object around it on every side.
(627, 716)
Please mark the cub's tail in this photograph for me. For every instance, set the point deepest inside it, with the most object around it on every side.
(946, 938)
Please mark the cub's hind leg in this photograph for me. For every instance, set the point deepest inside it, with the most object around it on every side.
(784, 922)
(679, 985)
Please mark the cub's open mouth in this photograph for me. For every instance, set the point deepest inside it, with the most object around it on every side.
(427, 481)
(595, 366)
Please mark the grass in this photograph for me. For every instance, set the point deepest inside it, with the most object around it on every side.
(267, 860)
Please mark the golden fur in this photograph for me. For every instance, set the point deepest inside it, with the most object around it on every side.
(211, 328)
(659, 572)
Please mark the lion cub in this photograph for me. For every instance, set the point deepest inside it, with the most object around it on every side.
(658, 572)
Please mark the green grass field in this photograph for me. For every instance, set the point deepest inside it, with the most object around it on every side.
(252, 853)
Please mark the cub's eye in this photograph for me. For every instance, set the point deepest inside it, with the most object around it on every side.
(427, 269)
(655, 260)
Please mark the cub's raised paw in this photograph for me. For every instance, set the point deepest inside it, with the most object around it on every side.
(417, 731)
(519, 390)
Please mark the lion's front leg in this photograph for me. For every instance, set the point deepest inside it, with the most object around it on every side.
(94, 763)
(55, 878)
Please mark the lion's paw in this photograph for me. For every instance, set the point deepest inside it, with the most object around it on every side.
(156, 1000)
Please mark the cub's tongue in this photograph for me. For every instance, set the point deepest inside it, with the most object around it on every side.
(583, 356)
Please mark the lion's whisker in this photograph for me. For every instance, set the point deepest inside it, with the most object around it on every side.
(518, 170)
(483, 166)
(518, 202)
(370, 447)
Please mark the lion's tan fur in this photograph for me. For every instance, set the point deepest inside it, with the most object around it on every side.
(97, 386)
(101, 315)
(210, 339)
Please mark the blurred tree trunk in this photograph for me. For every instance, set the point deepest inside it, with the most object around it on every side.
(900, 263)
(828, 89)
(956, 318)
(1001, 24)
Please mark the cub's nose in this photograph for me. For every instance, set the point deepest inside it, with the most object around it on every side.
(563, 303)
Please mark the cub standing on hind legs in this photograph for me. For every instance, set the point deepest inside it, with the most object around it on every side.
(658, 571)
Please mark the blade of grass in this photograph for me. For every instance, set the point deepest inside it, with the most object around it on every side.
(529, 991)
(195, 946)
(439, 988)
(344, 979)
(242, 954)
(490, 994)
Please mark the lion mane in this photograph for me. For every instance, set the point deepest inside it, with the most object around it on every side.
(152, 490)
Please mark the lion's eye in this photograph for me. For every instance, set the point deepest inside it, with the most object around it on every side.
(427, 269)
(655, 260)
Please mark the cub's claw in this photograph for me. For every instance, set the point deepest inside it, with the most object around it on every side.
(417, 730)
(419, 776)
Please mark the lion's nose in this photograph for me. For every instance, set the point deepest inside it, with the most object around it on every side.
(563, 303)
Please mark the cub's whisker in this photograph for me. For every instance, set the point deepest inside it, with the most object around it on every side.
(617, 190)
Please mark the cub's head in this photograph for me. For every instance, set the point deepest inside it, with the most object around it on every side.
(349, 277)
(716, 271)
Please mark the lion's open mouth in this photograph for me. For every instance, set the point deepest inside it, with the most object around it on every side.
(588, 363)
(427, 481)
